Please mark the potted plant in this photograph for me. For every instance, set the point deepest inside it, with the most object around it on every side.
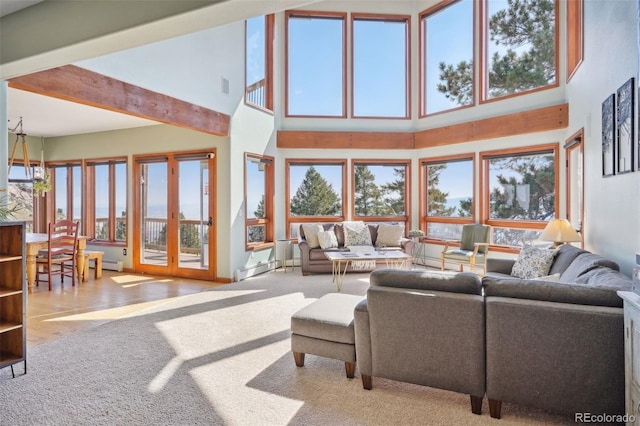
(42, 186)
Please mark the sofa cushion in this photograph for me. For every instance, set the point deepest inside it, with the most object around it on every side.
(583, 263)
(327, 239)
(389, 235)
(311, 233)
(565, 254)
(550, 291)
(453, 282)
(356, 234)
(533, 262)
(606, 277)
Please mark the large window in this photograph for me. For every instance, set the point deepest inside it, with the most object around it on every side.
(259, 62)
(519, 189)
(67, 192)
(380, 66)
(315, 191)
(20, 196)
(446, 195)
(520, 46)
(107, 199)
(447, 64)
(259, 183)
(379, 190)
(315, 66)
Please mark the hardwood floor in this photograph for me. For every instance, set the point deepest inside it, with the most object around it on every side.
(52, 314)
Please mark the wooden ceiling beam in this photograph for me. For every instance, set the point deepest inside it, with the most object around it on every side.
(75, 84)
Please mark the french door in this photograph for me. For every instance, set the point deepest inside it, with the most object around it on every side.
(174, 221)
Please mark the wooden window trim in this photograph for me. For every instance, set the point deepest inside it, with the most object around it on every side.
(268, 64)
(485, 185)
(422, 101)
(90, 197)
(575, 141)
(50, 197)
(315, 14)
(575, 36)
(269, 193)
(287, 191)
(406, 217)
(407, 97)
(484, 61)
(424, 218)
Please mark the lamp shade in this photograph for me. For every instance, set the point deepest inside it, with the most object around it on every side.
(560, 231)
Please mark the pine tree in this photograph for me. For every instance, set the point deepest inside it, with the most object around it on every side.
(523, 23)
(257, 233)
(395, 193)
(436, 199)
(368, 196)
(121, 227)
(315, 197)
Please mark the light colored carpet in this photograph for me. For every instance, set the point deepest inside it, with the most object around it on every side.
(220, 357)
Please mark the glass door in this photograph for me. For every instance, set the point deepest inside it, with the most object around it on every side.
(175, 227)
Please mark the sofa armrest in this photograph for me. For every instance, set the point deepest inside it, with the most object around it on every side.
(363, 338)
(502, 266)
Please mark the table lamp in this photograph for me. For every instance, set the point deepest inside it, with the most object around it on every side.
(559, 231)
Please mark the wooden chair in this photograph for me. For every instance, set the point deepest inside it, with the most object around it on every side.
(60, 257)
(473, 250)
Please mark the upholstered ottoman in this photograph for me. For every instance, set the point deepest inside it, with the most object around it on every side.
(325, 328)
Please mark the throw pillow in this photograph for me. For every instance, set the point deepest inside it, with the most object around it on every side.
(311, 233)
(356, 234)
(389, 235)
(533, 262)
(327, 239)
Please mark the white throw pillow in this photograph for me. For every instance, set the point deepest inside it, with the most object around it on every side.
(356, 234)
(533, 262)
(327, 239)
(389, 235)
(311, 233)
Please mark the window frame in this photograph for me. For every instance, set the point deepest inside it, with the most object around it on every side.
(406, 217)
(36, 224)
(422, 72)
(268, 220)
(268, 63)
(484, 61)
(424, 218)
(90, 198)
(50, 197)
(309, 162)
(406, 19)
(485, 186)
(575, 36)
(315, 15)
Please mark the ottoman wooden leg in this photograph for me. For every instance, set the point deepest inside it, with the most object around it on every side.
(350, 368)
(299, 357)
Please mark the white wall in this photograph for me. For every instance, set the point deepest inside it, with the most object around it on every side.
(612, 204)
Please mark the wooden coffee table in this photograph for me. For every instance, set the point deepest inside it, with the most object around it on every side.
(340, 261)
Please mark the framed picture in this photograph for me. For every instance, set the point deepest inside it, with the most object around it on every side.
(624, 127)
(608, 135)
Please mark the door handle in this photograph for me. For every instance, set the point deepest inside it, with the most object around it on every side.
(210, 222)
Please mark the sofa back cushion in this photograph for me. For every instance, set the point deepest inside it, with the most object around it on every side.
(583, 263)
(453, 282)
(550, 291)
(606, 278)
(565, 254)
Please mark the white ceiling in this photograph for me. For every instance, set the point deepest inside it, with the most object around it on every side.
(44, 116)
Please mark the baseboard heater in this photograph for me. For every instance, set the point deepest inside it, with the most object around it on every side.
(250, 271)
(112, 265)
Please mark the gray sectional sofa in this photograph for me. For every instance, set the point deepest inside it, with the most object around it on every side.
(313, 259)
(557, 346)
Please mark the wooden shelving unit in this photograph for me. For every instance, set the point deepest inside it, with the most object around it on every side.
(13, 295)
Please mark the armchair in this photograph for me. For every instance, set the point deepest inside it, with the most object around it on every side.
(473, 250)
